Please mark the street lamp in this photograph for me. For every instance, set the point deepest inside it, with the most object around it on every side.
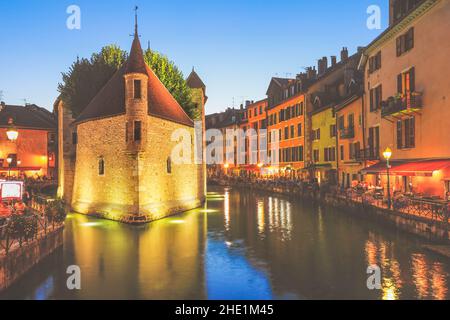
(9, 160)
(387, 154)
(12, 133)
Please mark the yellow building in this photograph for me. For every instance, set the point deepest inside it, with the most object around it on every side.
(323, 137)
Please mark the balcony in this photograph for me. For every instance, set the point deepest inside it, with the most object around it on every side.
(368, 154)
(404, 105)
(347, 133)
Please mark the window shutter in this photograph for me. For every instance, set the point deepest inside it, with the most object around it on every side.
(399, 83)
(371, 100)
(399, 46)
(399, 135)
(412, 79)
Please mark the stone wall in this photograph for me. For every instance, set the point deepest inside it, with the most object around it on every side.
(163, 193)
(136, 186)
(112, 194)
(19, 261)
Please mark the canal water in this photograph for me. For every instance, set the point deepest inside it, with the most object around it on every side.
(242, 245)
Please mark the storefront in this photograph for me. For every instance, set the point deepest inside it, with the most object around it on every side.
(423, 177)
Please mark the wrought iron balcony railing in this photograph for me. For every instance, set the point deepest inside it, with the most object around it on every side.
(403, 105)
(368, 154)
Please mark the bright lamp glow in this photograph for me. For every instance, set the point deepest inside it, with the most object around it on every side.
(226, 165)
(9, 160)
(12, 134)
(387, 154)
(260, 165)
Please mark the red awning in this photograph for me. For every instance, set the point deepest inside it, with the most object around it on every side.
(409, 168)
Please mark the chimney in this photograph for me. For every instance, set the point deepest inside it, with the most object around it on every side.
(344, 54)
(322, 65)
(311, 72)
(2, 105)
(333, 61)
(247, 103)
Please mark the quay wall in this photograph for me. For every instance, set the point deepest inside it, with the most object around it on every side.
(20, 260)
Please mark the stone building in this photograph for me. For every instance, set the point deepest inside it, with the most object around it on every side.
(118, 158)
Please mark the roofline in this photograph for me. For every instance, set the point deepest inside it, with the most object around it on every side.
(257, 102)
(347, 101)
(399, 26)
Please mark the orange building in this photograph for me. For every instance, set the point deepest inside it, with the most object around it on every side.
(286, 134)
(349, 117)
(255, 135)
(407, 98)
(33, 152)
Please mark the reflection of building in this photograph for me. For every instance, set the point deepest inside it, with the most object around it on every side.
(123, 167)
(407, 104)
(34, 152)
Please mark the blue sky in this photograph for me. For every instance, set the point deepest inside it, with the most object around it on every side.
(236, 46)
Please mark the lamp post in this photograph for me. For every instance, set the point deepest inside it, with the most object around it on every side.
(387, 154)
(12, 132)
(9, 160)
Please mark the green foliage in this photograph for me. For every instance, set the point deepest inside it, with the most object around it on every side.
(22, 226)
(55, 211)
(86, 77)
(173, 80)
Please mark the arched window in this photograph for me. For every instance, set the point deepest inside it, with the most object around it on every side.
(101, 167)
(169, 165)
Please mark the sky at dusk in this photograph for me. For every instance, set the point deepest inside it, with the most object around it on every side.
(236, 46)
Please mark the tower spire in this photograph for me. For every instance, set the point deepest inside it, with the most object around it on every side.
(136, 22)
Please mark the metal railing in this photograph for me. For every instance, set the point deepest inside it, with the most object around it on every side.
(408, 102)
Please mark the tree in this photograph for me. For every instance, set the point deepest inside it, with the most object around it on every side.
(173, 80)
(86, 77)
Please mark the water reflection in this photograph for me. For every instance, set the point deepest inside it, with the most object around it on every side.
(241, 245)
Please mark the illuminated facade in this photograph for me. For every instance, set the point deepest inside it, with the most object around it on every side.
(125, 166)
(27, 141)
(407, 103)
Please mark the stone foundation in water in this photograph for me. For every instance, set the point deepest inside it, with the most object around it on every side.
(22, 259)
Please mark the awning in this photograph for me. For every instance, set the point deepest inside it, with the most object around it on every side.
(424, 168)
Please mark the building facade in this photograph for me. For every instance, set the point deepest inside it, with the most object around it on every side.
(33, 152)
(407, 103)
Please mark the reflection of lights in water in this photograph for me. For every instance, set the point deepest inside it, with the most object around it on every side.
(208, 210)
(439, 282)
(228, 243)
(91, 224)
(381, 253)
(261, 223)
(371, 253)
(226, 209)
(419, 267)
(430, 281)
(280, 217)
(177, 221)
(320, 220)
